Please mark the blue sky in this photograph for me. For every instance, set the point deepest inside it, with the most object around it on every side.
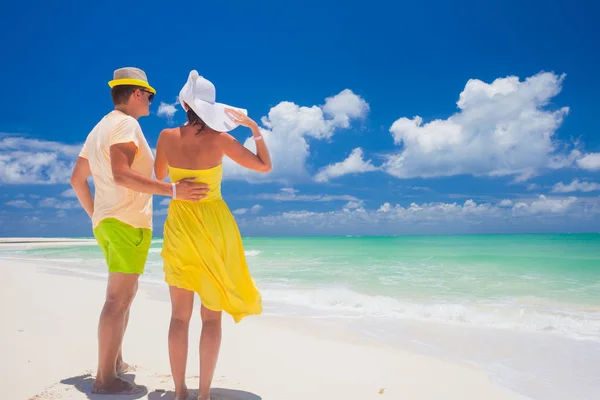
(381, 117)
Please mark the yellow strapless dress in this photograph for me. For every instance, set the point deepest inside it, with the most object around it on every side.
(203, 250)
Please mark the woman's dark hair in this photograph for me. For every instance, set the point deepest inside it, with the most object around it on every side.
(194, 119)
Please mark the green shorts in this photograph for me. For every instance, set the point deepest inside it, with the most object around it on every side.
(125, 247)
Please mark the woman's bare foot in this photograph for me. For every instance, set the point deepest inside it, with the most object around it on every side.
(183, 395)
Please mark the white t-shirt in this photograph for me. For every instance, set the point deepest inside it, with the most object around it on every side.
(110, 199)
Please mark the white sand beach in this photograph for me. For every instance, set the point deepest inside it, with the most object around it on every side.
(48, 346)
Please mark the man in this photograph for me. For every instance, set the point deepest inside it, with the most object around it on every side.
(120, 161)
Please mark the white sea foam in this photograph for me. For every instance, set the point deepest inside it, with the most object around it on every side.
(502, 314)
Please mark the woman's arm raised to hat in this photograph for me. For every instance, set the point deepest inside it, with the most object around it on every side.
(261, 161)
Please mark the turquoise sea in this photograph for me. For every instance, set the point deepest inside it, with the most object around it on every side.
(526, 308)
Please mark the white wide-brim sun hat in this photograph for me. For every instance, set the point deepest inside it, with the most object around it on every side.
(200, 95)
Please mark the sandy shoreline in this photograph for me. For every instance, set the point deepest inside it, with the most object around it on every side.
(49, 341)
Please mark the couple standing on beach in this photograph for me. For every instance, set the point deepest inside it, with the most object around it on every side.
(202, 250)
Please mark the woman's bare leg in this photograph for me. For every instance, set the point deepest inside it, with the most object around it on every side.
(182, 306)
(210, 343)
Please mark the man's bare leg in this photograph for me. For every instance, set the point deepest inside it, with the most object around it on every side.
(119, 295)
(122, 367)
(210, 343)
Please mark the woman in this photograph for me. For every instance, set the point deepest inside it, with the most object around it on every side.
(202, 250)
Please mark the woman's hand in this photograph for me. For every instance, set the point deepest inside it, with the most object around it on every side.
(240, 118)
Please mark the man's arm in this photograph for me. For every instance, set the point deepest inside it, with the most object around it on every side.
(121, 158)
(80, 185)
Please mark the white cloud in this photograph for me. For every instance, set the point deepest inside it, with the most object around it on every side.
(254, 210)
(52, 202)
(351, 215)
(345, 106)
(167, 110)
(503, 128)
(438, 211)
(19, 204)
(352, 205)
(560, 160)
(27, 144)
(576, 186)
(165, 202)
(289, 194)
(161, 211)
(590, 162)
(352, 165)
(68, 193)
(420, 188)
(544, 205)
(438, 216)
(287, 130)
(32, 161)
(385, 207)
(532, 186)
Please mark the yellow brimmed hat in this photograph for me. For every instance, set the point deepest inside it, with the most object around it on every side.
(130, 76)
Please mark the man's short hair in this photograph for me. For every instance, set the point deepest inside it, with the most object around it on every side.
(120, 94)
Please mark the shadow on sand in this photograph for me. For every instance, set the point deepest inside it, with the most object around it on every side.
(215, 393)
(83, 383)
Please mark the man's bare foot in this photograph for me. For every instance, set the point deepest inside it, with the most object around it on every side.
(118, 386)
(123, 367)
(183, 395)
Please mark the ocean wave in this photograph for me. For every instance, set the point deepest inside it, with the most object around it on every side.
(27, 258)
(503, 314)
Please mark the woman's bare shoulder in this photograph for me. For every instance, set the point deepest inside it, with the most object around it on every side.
(168, 135)
(225, 137)
(170, 132)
